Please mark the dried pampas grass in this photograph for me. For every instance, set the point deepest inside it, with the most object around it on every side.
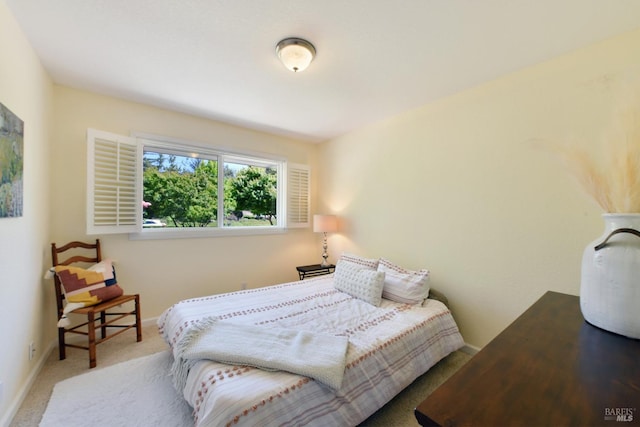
(613, 179)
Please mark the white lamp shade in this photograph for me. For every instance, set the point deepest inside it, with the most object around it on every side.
(295, 54)
(325, 223)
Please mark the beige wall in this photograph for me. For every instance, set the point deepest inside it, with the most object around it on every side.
(461, 187)
(166, 271)
(25, 303)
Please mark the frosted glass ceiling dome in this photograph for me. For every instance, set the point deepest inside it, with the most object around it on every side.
(296, 54)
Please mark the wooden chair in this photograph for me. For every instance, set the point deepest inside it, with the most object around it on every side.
(97, 314)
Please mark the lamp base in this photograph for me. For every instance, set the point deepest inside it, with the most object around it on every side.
(324, 262)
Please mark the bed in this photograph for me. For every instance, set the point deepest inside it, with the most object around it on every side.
(387, 347)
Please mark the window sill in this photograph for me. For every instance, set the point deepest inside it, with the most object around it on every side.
(193, 233)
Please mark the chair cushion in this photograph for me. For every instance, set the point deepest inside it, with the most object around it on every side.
(86, 287)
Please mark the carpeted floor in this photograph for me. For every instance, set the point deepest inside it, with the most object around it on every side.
(398, 412)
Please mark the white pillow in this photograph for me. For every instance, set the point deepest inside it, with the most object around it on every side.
(359, 281)
(405, 286)
(369, 263)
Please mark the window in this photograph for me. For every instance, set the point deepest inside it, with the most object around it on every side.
(158, 188)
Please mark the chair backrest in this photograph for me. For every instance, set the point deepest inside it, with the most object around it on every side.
(79, 252)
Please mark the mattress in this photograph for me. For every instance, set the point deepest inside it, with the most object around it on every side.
(389, 347)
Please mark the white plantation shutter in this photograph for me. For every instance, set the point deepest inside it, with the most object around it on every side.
(113, 173)
(298, 195)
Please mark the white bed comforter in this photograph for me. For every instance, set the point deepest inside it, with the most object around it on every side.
(389, 347)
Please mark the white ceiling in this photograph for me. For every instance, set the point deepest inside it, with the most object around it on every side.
(375, 58)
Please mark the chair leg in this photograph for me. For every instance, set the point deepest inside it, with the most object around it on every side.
(61, 345)
(138, 323)
(103, 329)
(91, 328)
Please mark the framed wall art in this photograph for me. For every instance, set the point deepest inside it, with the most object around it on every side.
(11, 163)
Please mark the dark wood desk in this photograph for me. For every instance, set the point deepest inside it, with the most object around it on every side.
(548, 368)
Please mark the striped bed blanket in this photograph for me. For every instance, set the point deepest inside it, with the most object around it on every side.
(388, 348)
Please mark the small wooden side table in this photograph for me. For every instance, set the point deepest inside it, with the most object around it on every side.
(312, 270)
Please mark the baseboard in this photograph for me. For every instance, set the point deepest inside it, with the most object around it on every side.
(6, 419)
(151, 321)
(22, 394)
(469, 349)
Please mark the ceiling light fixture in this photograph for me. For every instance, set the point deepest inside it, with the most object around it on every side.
(296, 54)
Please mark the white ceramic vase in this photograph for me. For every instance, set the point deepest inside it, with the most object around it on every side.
(610, 285)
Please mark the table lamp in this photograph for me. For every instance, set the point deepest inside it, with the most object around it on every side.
(324, 224)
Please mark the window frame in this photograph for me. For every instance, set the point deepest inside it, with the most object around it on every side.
(151, 142)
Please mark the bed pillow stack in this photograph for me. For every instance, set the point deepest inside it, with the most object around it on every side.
(359, 278)
(402, 285)
(371, 280)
